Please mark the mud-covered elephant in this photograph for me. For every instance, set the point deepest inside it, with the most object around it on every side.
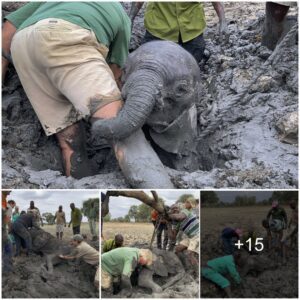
(165, 264)
(161, 89)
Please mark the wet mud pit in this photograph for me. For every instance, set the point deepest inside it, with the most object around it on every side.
(255, 145)
(268, 279)
(268, 275)
(27, 280)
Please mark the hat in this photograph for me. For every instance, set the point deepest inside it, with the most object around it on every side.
(274, 203)
(78, 238)
(147, 255)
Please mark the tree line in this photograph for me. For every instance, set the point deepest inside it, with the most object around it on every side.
(211, 199)
(90, 209)
(140, 213)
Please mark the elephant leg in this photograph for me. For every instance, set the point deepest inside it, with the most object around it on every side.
(146, 280)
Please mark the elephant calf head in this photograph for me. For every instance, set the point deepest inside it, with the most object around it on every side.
(161, 83)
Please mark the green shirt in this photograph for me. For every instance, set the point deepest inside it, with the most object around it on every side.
(109, 245)
(225, 265)
(166, 20)
(107, 20)
(120, 261)
(76, 217)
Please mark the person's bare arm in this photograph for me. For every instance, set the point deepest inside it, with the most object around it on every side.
(219, 8)
(134, 10)
(8, 31)
(177, 217)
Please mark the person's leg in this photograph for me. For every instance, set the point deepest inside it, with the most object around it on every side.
(274, 24)
(195, 47)
(72, 142)
(166, 237)
(158, 235)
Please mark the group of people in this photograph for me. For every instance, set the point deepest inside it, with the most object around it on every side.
(74, 59)
(181, 228)
(281, 235)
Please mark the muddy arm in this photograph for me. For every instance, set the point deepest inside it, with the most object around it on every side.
(140, 164)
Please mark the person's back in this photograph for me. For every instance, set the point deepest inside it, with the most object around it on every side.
(229, 233)
(120, 260)
(27, 220)
(89, 254)
(107, 20)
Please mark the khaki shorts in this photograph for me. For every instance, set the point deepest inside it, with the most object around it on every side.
(60, 228)
(288, 233)
(192, 244)
(106, 280)
(63, 71)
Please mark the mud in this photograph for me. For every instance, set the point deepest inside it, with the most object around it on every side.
(186, 286)
(30, 278)
(268, 276)
(247, 150)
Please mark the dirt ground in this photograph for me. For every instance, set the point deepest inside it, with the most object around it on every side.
(25, 280)
(139, 235)
(253, 146)
(277, 281)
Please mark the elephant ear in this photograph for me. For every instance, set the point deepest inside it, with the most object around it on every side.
(159, 266)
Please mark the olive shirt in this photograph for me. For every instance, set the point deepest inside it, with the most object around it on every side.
(109, 245)
(168, 20)
(107, 20)
(120, 261)
(76, 217)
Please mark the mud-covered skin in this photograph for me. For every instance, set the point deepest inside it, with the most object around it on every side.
(161, 82)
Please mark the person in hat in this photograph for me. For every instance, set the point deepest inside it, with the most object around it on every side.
(120, 263)
(87, 253)
(229, 236)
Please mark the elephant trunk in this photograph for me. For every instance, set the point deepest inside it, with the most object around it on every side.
(140, 92)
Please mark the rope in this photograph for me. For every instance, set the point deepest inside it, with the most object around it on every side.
(272, 59)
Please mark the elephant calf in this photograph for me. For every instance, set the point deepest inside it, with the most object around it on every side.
(161, 87)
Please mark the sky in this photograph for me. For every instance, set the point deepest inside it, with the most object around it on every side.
(48, 201)
(229, 196)
(119, 206)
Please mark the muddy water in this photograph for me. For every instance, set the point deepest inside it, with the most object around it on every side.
(246, 150)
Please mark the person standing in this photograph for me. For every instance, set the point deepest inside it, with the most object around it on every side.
(60, 218)
(76, 218)
(36, 214)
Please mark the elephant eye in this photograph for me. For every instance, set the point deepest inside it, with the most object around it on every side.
(181, 88)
